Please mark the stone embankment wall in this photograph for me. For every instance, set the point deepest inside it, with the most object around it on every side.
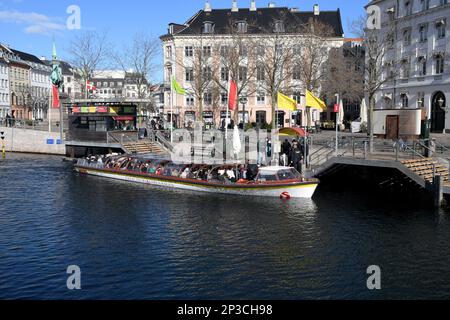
(32, 141)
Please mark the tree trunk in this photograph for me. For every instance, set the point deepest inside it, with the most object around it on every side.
(371, 124)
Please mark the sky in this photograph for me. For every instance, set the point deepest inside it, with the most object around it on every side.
(31, 25)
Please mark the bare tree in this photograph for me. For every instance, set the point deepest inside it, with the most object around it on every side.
(88, 51)
(344, 74)
(140, 58)
(237, 62)
(379, 69)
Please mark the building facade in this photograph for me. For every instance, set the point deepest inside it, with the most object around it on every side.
(420, 57)
(208, 34)
(4, 89)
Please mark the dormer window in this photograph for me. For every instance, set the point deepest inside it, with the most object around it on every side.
(242, 27)
(208, 27)
(279, 26)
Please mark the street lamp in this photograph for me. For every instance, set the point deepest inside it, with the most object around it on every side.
(440, 102)
(243, 100)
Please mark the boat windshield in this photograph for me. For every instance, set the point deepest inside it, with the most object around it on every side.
(288, 174)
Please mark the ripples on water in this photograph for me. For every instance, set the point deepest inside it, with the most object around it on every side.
(137, 242)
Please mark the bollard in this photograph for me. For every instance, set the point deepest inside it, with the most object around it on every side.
(2, 136)
(438, 191)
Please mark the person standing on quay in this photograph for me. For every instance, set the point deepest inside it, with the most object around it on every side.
(296, 157)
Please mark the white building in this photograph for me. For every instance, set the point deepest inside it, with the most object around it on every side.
(40, 89)
(209, 33)
(420, 55)
(5, 103)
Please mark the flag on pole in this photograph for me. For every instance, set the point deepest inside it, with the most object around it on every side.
(232, 96)
(315, 103)
(176, 86)
(55, 93)
(90, 86)
(286, 103)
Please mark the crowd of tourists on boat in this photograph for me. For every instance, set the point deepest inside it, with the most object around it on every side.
(238, 173)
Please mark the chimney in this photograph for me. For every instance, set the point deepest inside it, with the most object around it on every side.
(253, 5)
(234, 6)
(207, 6)
(271, 4)
(43, 58)
(316, 10)
(295, 9)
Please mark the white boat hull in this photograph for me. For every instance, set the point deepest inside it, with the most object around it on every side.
(305, 190)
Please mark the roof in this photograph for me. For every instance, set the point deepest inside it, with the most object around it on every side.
(28, 57)
(259, 21)
(293, 132)
(66, 68)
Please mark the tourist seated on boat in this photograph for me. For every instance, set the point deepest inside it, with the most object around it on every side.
(159, 171)
(185, 173)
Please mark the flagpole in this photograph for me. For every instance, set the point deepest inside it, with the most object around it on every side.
(228, 111)
(171, 112)
(49, 113)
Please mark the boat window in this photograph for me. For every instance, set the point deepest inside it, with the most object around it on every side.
(263, 177)
(288, 174)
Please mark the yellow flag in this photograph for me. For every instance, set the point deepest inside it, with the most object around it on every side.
(315, 103)
(286, 103)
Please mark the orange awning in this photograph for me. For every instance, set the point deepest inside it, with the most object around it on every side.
(293, 132)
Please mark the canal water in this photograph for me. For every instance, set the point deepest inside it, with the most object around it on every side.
(136, 242)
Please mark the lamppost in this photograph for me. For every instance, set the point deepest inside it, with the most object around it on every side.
(243, 100)
(2, 136)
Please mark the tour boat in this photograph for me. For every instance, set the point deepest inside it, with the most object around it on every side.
(282, 182)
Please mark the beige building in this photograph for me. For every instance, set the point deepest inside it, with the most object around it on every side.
(208, 34)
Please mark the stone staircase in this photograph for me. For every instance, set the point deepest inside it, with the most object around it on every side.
(143, 147)
(427, 168)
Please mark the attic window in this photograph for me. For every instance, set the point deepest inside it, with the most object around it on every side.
(279, 26)
(208, 27)
(242, 27)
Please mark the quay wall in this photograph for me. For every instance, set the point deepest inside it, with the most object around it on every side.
(33, 141)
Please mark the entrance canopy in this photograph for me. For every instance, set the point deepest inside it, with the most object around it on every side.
(293, 132)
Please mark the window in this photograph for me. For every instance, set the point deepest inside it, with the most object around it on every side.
(296, 73)
(278, 48)
(404, 100)
(405, 68)
(423, 33)
(425, 4)
(439, 64)
(207, 51)
(169, 52)
(190, 101)
(242, 27)
(189, 51)
(406, 37)
(440, 27)
(224, 98)
(260, 73)
(422, 66)
(279, 26)
(207, 74)
(242, 73)
(297, 96)
(243, 50)
(261, 98)
(208, 27)
(408, 7)
(189, 74)
(261, 117)
(420, 100)
(443, 2)
(224, 50)
(224, 74)
(297, 50)
(207, 98)
(260, 51)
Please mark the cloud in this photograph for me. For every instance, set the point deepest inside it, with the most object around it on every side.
(35, 22)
